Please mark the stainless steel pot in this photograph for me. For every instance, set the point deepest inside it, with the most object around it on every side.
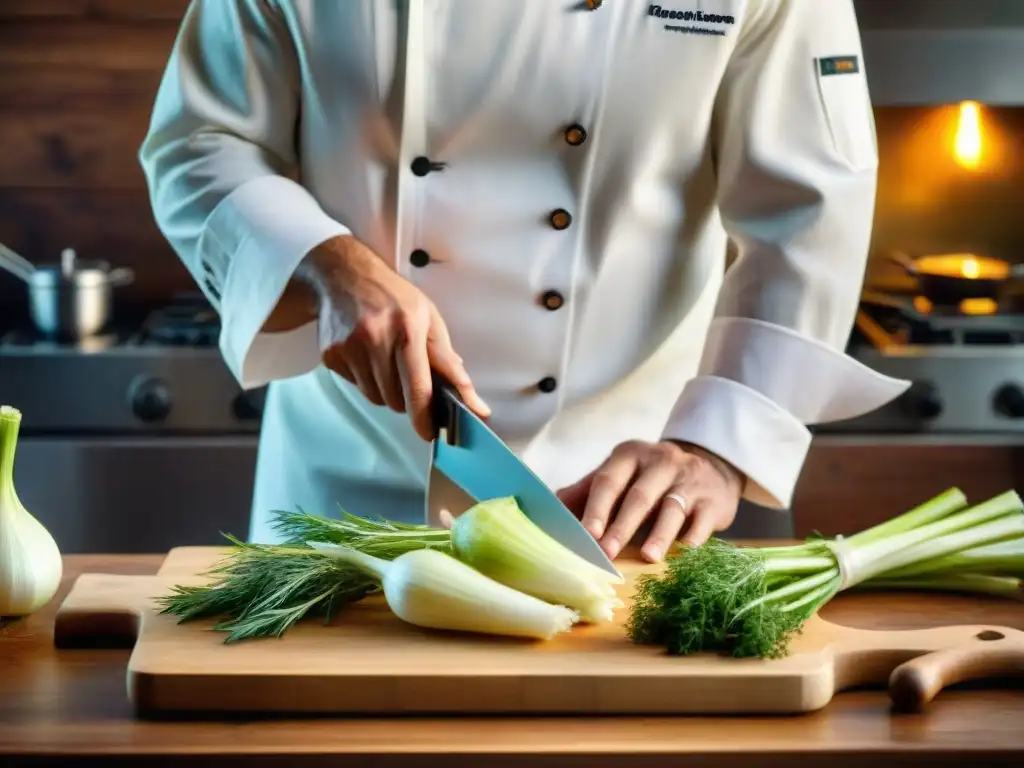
(72, 300)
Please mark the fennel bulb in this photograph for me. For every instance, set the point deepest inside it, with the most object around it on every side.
(434, 590)
(30, 563)
(497, 538)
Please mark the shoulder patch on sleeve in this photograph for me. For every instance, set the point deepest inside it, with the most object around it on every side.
(839, 65)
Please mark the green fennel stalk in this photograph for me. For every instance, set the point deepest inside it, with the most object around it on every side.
(968, 583)
(1003, 559)
(10, 425)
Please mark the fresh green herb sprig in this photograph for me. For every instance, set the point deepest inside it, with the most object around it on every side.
(381, 538)
(711, 598)
(262, 590)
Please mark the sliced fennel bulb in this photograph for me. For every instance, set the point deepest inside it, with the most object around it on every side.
(30, 562)
(434, 590)
(496, 538)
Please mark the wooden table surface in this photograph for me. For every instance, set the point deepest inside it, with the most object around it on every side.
(70, 705)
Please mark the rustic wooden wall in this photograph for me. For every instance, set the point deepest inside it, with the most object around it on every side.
(77, 82)
(845, 488)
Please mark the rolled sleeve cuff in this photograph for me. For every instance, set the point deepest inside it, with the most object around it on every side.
(258, 235)
(803, 375)
(757, 436)
(758, 387)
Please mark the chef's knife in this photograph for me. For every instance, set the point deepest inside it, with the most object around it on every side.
(469, 463)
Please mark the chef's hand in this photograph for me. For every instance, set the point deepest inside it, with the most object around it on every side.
(686, 487)
(382, 333)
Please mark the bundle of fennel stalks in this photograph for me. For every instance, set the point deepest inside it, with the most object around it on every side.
(496, 572)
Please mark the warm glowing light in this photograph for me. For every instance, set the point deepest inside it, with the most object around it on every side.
(979, 306)
(970, 268)
(968, 135)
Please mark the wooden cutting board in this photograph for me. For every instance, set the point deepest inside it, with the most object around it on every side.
(369, 662)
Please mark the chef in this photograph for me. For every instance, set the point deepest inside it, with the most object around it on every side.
(533, 198)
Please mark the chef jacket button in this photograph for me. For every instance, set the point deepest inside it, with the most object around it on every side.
(560, 218)
(421, 166)
(575, 135)
(419, 258)
(552, 300)
(547, 384)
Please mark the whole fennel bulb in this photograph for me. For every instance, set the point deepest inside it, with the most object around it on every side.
(432, 589)
(30, 562)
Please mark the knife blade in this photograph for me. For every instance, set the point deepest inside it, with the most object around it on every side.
(470, 463)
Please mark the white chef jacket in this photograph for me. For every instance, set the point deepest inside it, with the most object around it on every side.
(282, 123)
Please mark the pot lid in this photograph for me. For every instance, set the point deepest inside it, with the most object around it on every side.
(86, 274)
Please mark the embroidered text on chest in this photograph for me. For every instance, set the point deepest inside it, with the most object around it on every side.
(694, 16)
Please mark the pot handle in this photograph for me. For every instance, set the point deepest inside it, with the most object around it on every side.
(120, 276)
(901, 259)
(16, 264)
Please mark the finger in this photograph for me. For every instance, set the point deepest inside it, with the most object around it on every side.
(385, 373)
(671, 518)
(609, 483)
(446, 362)
(438, 329)
(451, 367)
(702, 525)
(575, 496)
(417, 389)
(345, 372)
(639, 501)
(334, 361)
(359, 364)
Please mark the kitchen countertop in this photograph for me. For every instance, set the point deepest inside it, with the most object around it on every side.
(71, 706)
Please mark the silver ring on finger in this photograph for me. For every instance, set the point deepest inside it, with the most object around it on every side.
(680, 499)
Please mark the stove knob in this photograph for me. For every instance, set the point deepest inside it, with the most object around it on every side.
(1009, 401)
(248, 406)
(922, 401)
(150, 400)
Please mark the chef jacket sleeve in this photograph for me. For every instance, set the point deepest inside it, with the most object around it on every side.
(796, 163)
(218, 158)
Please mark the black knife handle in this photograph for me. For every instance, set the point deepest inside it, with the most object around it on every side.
(444, 408)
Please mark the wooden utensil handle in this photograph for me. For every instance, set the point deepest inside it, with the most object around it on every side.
(991, 654)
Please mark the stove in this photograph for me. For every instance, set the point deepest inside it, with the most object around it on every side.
(166, 376)
(966, 364)
(136, 441)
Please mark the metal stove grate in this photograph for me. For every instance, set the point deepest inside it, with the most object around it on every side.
(905, 324)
